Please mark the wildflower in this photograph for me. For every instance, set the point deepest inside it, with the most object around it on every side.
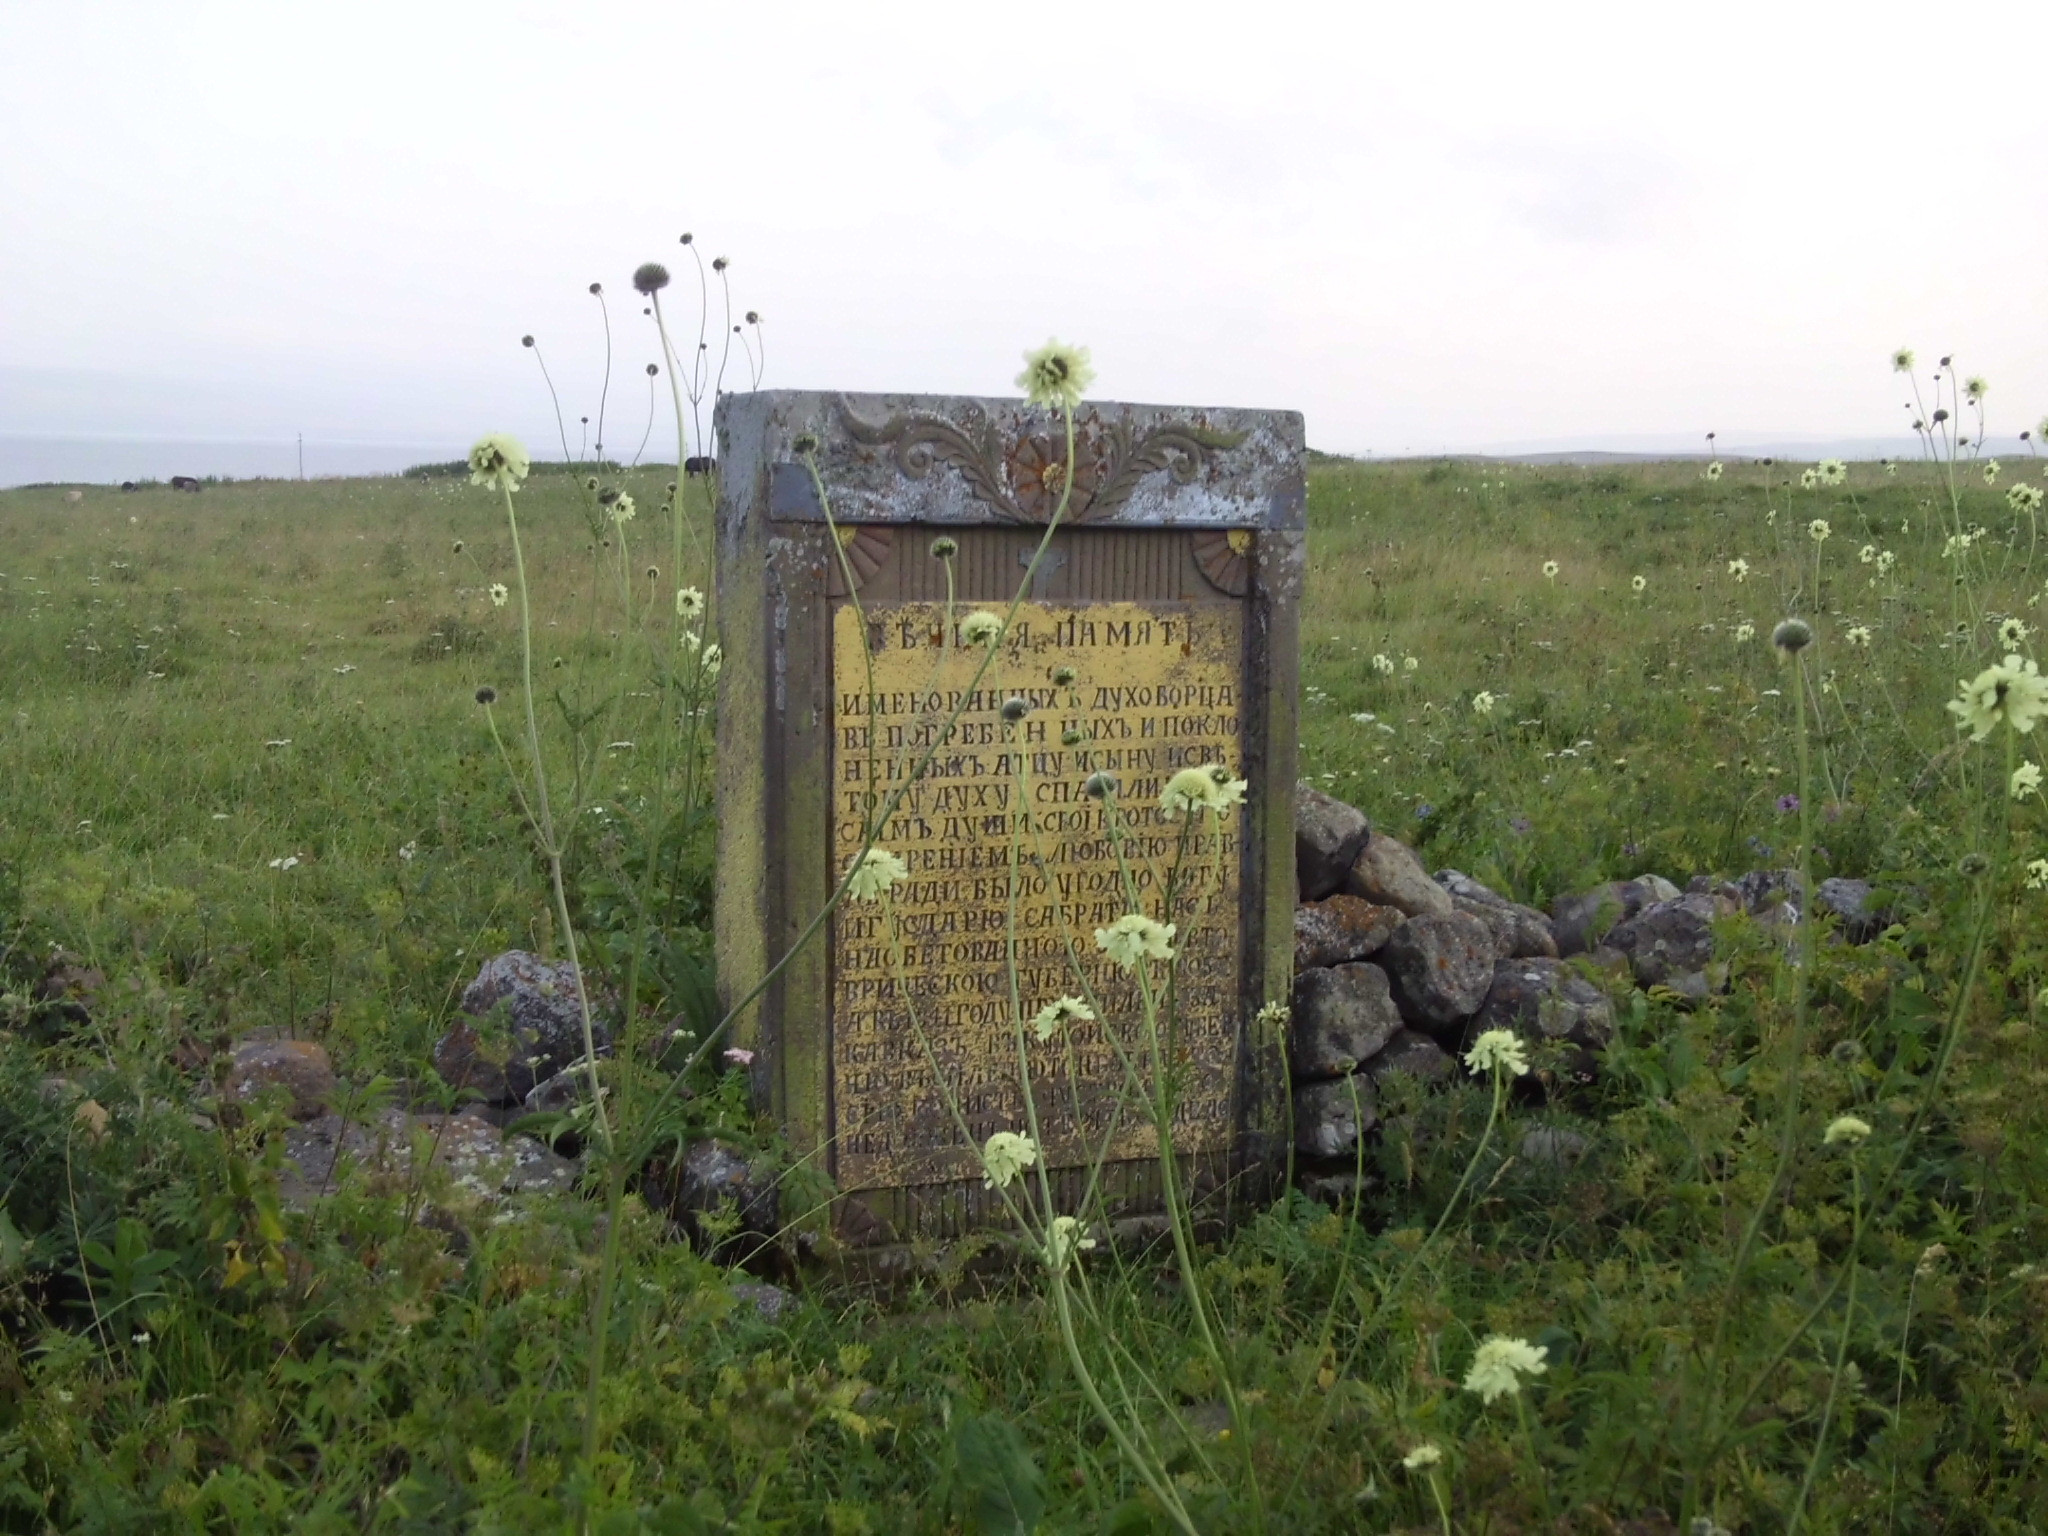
(1055, 375)
(1891, 469)
(1550, 570)
(1638, 583)
(944, 548)
(1867, 554)
(1832, 471)
(1015, 709)
(499, 596)
(1498, 1050)
(980, 628)
(1409, 664)
(1063, 1239)
(1482, 703)
(2026, 780)
(650, 277)
(623, 510)
(1808, 479)
(1886, 559)
(2037, 875)
(407, 852)
(1846, 1128)
(1422, 1456)
(1006, 1155)
(1792, 636)
(1134, 937)
(1382, 663)
(498, 462)
(2012, 632)
(1714, 470)
(1818, 530)
(289, 861)
(2024, 497)
(877, 870)
(458, 546)
(1771, 518)
(2012, 691)
(1099, 785)
(714, 658)
(1739, 568)
(1990, 472)
(1063, 677)
(487, 695)
(1858, 634)
(1975, 389)
(1902, 360)
(689, 603)
(1787, 804)
(1499, 1365)
(1062, 1010)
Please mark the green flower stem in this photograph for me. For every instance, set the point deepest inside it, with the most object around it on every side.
(1820, 1439)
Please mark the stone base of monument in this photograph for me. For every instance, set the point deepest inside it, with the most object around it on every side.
(1397, 971)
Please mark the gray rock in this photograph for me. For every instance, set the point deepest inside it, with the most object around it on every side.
(1411, 1052)
(1330, 1117)
(565, 1090)
(715, 1177)
(482, 1164)
(541, 1032)
(1669, 938)
(1763, 891)
(1518, 931)
(1388, 874)
(1441, 967)
(1339, 929)
(1580, 922)
(1548, 1000)
(1339, 1191)
(299, 1069)
(1849, 901)
(771, 1303)
(1341, 1016)
(1327, 837)
(1552, 1146)
(1458, 883)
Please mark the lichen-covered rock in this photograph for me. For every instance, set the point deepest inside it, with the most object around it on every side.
(1552, 1146)
(1330, 1117)
(1546, 1000)
(1763, 892)
(482, 1163)
(1341, 1016)
(1387, 873)
(1411, 1052)
(298, 1068)
(1327, 837)
(1581, 922)
(1339, 929)
(1849, 901)
(1669, 939)
(771, 1303)
(1441, 966)
(523, 1024)
(1520, 932)
(716, 1179)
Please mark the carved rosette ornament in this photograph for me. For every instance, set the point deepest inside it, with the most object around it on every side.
(1022, 482)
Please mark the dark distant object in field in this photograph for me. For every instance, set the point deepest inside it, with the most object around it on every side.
(184, 483)
(697, 464)
(128, 485)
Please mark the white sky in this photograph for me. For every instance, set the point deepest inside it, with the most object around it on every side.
(1425, 226)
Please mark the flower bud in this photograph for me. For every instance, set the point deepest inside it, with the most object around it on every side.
(1015, 709)
(1792, 636)
(1100, 786)
(487, 694)
(944, 548)
(648, 277)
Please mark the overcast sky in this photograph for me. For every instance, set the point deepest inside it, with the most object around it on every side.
(1437, 225)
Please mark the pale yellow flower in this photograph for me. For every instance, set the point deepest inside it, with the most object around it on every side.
(499, 595)
(498, 462)
(1500, 1364)
(1846, 1128)
(876, 872)
(1006, 1155)
(1498, 1050)
(980, 628)
(1135, 937)
(2026, 780)
(2013, 691)
(1063, 1010)
(1818, 530)
(1739, 569)
(1056, 375)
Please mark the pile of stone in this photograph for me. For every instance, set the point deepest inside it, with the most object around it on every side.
(1397, 971)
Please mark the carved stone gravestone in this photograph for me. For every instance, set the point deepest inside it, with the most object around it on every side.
(1169, 590)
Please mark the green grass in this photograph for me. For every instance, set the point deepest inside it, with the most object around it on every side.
(156, 649)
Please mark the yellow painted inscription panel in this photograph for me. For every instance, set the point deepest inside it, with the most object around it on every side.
(1000, 838)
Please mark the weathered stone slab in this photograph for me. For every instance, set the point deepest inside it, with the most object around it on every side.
(1156, 632)
(1669, 939)
(1414, 1053)
(1341, 928)
(1580, 922)
(1341, 1016)
(1330, 1117)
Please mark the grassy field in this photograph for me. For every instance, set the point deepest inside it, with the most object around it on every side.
(197, 689)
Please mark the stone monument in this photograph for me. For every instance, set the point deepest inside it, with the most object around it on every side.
(1159, 631)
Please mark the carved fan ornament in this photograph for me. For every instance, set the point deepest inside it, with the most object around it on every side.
(1023, 481)
(867, 546)
(1224, 556)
